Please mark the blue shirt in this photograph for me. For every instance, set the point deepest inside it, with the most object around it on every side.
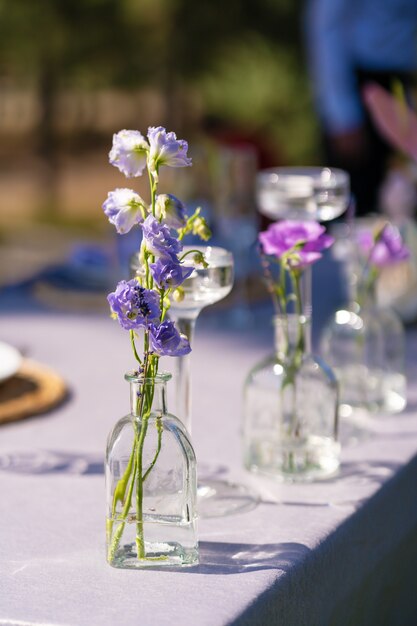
(345, 35)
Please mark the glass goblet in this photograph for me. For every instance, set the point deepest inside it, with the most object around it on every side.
(204, 287)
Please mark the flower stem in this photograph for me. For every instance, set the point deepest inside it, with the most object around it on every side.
(158, 448)
(300, 346)
(118, 534)
(140, 540)
(153, 187)
(132, 341)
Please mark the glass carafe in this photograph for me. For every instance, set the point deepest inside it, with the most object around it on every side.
(151, 483)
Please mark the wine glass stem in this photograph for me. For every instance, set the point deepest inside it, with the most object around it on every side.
(186, 326)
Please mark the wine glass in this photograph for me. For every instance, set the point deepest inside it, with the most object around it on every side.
(301, 193)
(204, 287)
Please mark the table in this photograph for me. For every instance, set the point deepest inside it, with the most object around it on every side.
(339, 552)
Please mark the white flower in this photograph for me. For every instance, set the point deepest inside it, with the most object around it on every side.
(129, 152)
(124, 208)
(166, 149)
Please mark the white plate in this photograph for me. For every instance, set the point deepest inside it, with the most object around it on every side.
(10, 360)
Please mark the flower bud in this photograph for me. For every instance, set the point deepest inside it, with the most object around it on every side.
(201, 228)
(178, 294)
(171, 210)
(199, 259)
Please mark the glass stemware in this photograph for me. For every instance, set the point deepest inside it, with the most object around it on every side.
(301, 193)
(204, 287)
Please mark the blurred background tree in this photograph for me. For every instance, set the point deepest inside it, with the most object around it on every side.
(70, 68)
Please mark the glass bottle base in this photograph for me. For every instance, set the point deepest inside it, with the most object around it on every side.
(314, 459)
(372, 389)
(169, 542)
(157, 555)
(395, 393)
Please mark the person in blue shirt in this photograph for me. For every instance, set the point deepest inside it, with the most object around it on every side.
(351, 43)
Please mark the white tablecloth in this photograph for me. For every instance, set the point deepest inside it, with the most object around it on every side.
(338, 552)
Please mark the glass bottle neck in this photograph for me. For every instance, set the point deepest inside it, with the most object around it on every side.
(292, 335)
(147, 396)
(294, 296)
(361, 288)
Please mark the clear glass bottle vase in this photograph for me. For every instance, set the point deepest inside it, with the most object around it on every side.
(151, 483)
(365, 345)
(291, 409)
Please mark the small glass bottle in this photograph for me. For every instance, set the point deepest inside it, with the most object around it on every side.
(151, 483)
(394, 381)
(365, 345)
(291, 409)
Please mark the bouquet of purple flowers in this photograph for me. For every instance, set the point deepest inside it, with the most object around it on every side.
(140, 305)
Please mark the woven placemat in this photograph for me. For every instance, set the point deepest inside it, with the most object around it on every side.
(34, 389)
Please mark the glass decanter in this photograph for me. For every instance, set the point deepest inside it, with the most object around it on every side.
(291, 409)
(151, 521)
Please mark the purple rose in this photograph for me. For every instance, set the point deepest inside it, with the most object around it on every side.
(158, 239)
(129, 152)
(134, 305)
(165, 340)
(166, 149)
(385, 248)
(300, 242)
(124, 208)
(168, 272)
(171, 210)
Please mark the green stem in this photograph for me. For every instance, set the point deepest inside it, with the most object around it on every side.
(132, 341)
(283, 288)
(158, 449)
(140, 539)
(194, 251)
(300, 346)
(120, 491)
(145, 409)
(118, 534)
(153, 187)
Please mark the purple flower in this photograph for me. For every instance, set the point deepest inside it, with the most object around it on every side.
(171, 210)
(168, 272)
(386, 248)
(158, 239)
(300, 243)
(166, 149)
(166, 340)
(134, 305)
(124, 208)
(129, 152)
